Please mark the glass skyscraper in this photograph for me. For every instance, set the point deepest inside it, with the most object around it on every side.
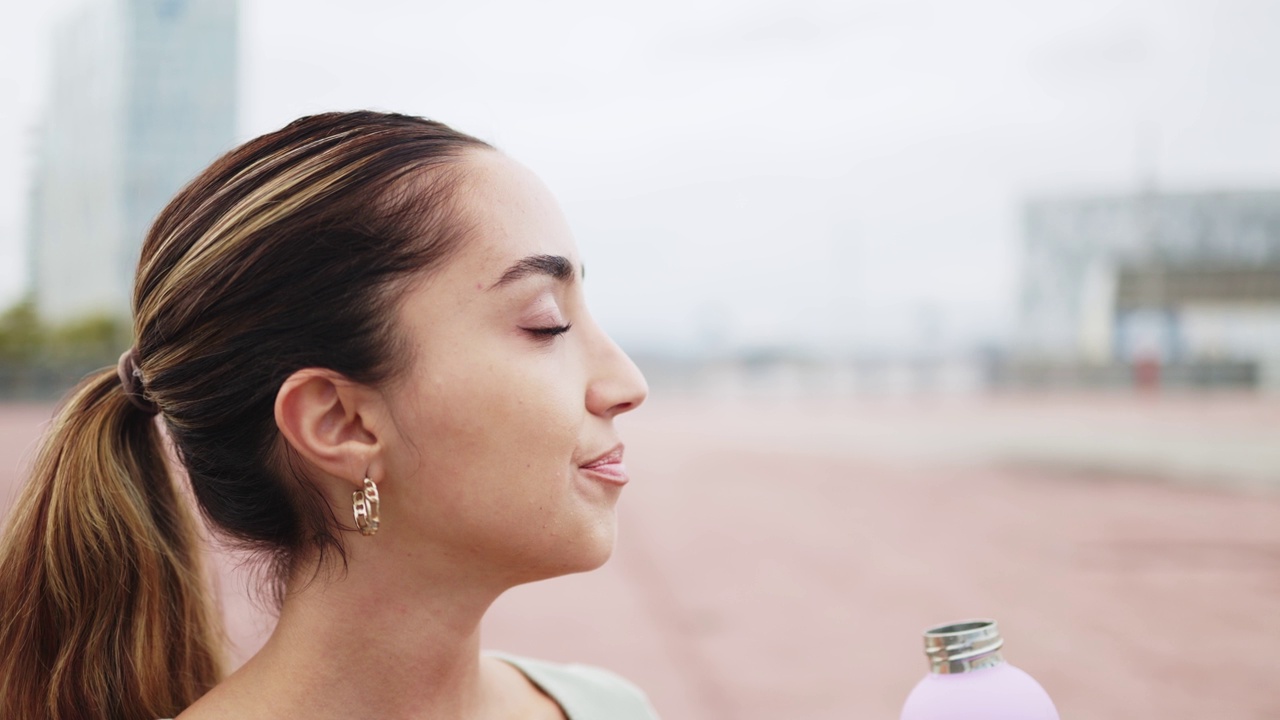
(143, 97)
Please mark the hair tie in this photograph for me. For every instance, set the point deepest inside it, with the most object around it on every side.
(131, 381)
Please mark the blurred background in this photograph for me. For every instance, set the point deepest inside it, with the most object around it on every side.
(948, 309)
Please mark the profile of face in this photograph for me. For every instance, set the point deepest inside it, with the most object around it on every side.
(510, 389)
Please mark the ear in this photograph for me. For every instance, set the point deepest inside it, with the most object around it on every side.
(331, 421)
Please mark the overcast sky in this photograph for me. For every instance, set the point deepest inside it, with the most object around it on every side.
(765, 172)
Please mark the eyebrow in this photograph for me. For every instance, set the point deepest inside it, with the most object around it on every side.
(555, 266)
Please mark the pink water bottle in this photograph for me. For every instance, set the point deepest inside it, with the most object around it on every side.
(969, 680)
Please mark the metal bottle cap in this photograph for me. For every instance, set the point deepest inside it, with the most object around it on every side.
(963, 646)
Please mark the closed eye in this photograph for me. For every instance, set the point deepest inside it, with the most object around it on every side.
(550, 331)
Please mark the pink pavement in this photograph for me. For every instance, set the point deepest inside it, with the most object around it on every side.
(779, 559)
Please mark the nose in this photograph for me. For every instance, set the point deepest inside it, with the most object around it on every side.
(617, 385)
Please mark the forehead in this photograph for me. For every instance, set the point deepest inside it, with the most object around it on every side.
(511, 215)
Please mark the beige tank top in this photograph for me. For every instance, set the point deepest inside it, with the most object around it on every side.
(584, 692)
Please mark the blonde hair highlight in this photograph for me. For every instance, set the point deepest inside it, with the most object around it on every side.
(105, 609)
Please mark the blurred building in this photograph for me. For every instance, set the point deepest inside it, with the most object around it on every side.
(143, 96)
(1167, 279)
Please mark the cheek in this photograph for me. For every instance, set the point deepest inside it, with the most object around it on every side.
(491, 475)
(492, 438)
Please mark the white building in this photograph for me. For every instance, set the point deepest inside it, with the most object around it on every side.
(1174, 278)
(143, 97)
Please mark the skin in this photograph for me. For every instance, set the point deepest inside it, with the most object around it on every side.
(477, 450)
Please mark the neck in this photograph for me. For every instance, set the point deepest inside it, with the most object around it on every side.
(375, 641)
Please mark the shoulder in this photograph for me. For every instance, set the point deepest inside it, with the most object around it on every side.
(585, 692)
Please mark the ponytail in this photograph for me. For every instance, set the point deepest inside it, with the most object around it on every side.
(103, 606)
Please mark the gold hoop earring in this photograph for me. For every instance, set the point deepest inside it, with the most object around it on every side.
(364, 504)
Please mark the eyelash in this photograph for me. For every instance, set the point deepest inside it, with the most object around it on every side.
(550, 332)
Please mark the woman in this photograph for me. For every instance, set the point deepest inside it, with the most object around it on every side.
(366, 339)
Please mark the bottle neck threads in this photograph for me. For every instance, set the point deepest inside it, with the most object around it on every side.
(963, 647)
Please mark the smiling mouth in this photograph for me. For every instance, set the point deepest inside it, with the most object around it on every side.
(608, 468)
(614, 473)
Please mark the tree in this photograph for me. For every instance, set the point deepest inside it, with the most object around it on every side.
(21, 334)
(94, 339)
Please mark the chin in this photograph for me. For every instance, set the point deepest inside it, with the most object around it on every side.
(599, 557)
(586, 552)
(592, 549)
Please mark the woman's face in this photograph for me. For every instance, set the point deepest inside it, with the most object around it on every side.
(501, 407)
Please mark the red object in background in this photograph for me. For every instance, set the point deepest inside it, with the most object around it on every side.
(1146, 373)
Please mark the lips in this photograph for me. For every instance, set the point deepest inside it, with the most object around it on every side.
(608, 467)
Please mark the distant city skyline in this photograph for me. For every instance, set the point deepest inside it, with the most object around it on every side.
(825, 173)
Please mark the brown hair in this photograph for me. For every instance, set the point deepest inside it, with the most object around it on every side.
(288, 252)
